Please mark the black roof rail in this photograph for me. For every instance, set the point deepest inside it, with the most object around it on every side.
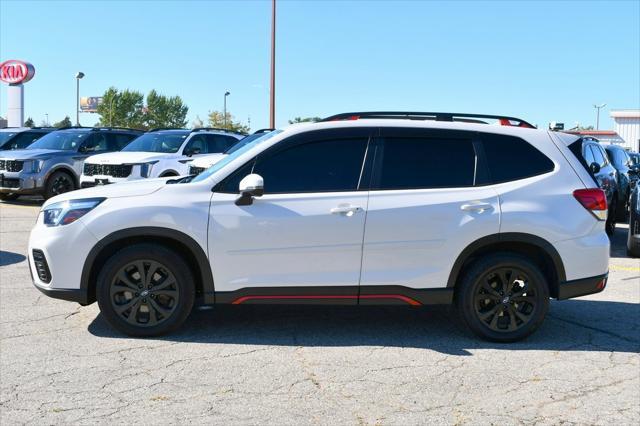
(215, 129)
(43, 128)
(166, 128)
(117, 128)
(266, 130)
(436, 116)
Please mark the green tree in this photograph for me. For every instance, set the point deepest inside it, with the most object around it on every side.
(65, 122)
(29, 122)
(304, 120)
(122, 109)
(163, 111)
(217, 119)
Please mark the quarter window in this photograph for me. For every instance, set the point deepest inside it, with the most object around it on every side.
(320, 166)
(510, 158)
(412, 163)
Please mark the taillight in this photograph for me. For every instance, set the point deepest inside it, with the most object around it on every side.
(594, 200)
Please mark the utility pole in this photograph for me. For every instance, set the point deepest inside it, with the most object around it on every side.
(598, 107)
(79, 76)
(272, 92)
(224, 110)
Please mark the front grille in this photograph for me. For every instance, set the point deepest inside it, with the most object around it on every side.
(11, 165)
(42, 268)
(115, 170)
(9, 183)
(193, 170)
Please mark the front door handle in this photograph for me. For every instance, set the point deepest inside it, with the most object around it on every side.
(346, 210)
(476, 207)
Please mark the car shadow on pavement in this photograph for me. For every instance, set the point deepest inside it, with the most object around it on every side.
(9, 258)
(576, 325)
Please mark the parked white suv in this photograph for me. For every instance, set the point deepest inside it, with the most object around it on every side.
(202, 163)
(362, 208)
(157, 153)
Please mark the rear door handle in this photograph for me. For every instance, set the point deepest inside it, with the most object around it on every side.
(476, 207)
(346, 210)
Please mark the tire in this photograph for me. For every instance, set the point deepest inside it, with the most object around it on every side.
(506, 317)
(610, 225)
(59, 183)
(622, 214)
(145, 311)
(9, 197)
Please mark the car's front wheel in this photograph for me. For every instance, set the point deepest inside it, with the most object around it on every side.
(58, 183)
(503, 297)
(145, 290)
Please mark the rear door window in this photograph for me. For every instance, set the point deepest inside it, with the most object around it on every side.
(414, 162)
(511, 158)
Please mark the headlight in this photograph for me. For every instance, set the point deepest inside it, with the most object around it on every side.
(145, 169)
(67, 212)
(33, 166)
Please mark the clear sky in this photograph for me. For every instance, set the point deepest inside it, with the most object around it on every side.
(541, 60)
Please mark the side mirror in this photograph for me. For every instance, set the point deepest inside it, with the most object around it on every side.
(82, 149)
(594, 167)
(251, 186)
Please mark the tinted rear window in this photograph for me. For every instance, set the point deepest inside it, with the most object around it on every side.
(414, 163)
(510, 158)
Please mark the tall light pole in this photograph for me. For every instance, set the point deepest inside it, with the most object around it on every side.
(224, 111)
(598, 107)
(272, 92)
(79, 76)
(47, 115)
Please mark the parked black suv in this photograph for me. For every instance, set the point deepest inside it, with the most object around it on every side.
(627, 178)
(597, 162)
(633, 240)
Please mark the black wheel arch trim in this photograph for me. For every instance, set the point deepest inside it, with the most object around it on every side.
(508, 237)
(206, 275)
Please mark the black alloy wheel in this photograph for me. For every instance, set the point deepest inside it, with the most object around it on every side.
(502, 297)
(144, 293)
(505, 301)
(59, 183)
(145, 290)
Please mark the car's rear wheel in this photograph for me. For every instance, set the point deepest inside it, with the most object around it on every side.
(503, 297)
(58, 183)
(145, 290)
(9, 197)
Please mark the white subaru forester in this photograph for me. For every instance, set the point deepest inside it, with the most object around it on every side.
(362, 208)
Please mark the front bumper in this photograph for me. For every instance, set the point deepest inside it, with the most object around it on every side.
(582, 287)
(63, 249)
(20, 183)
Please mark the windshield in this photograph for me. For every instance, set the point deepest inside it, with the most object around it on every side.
(5, 136)
(21, 140)
(158, 142)
(235, 154)
(63, 141)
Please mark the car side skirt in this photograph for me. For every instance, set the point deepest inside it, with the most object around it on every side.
(338, 295)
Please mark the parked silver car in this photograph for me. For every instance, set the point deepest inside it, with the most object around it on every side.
(52, 165)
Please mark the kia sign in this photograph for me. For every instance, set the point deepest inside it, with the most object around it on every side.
(16, 72)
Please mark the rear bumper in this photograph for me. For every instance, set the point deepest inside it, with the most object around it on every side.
(582, 287)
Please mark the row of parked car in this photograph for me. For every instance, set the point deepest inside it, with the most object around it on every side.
(49, 161)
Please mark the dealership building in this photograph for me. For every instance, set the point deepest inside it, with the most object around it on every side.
(627, 127)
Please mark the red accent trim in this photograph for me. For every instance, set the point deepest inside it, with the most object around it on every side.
(405, 299)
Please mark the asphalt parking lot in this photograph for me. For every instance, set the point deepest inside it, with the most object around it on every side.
(60, 363)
